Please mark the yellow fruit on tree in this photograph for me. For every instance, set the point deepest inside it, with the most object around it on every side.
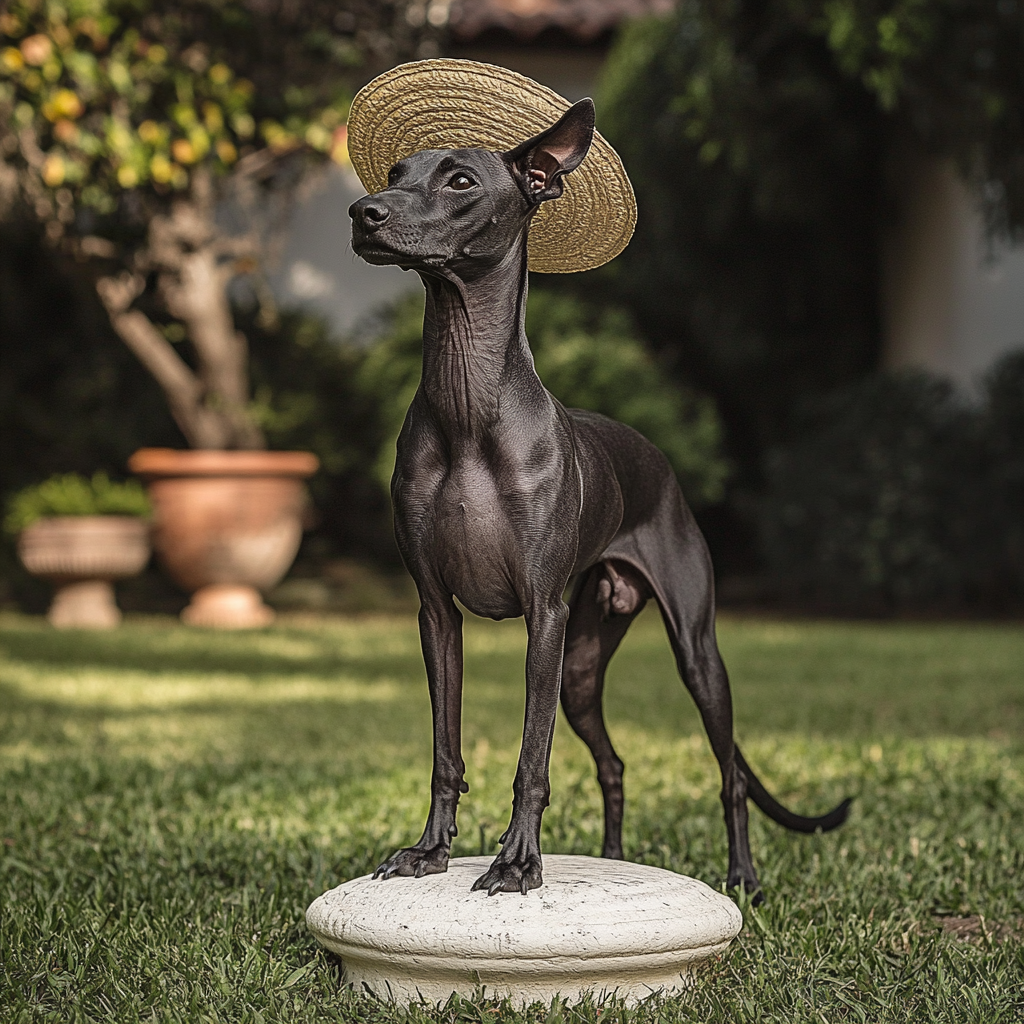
(54, 170)
(149, 132)
(182, 151)
(161, 169)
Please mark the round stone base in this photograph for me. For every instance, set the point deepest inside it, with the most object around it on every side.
(600, 926)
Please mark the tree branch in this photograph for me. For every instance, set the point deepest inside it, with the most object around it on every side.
(185, 250)
(33, 155)
(202, 428)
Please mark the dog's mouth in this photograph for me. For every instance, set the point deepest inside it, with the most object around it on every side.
(372, 250)
(375, 253)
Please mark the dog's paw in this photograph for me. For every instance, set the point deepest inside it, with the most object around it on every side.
(520, 874)
(415, 862)
(749, 885)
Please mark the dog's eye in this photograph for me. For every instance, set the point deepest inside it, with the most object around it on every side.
(461, 182)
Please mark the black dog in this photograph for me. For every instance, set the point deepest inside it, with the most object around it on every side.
(502, 496)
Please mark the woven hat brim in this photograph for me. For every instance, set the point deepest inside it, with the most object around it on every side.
(463, 104)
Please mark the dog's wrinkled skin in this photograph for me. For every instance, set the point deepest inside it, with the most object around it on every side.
(502, 496)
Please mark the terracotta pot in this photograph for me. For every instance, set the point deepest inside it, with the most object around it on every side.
(81, 555)
(226, 525)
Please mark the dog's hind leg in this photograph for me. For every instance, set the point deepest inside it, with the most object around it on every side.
(673, 556)
(688, 613)
(605, 600)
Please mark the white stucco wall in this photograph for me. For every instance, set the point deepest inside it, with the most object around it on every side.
(953, 300)
(318, 270)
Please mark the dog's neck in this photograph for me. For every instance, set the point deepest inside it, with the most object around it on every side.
(474, 336)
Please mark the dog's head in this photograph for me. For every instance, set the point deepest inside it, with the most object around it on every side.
(461, 211)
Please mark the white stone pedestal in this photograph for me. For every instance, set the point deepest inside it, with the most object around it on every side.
(598, 926)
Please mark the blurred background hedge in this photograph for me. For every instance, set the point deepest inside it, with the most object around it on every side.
(74, 399)
(588, 357)
(901, 496)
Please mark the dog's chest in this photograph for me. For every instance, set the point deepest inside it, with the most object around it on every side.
(468, 508)
(473, 543)
(483, 526)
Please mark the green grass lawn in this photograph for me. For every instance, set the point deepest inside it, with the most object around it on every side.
(173, 799)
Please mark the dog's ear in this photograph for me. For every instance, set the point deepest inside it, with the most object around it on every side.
(540, 163)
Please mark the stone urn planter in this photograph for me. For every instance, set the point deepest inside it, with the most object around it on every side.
(81, 556)
(226, 526)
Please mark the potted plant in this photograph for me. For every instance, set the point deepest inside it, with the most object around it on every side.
(226, 525)
(81, 535)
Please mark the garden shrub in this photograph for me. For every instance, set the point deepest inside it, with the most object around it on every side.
(757, 164)
(900, 495)
(307, 397)
(1004, 432)
(69, 494)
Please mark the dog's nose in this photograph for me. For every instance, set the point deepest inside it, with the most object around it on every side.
(369, 213)
(376, 213)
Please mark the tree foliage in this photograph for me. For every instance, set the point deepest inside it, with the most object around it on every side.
(754, 265)
(163, 139)
(100, 98)
(950, 73)
(763, 139)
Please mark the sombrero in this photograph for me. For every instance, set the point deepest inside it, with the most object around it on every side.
(456, 104)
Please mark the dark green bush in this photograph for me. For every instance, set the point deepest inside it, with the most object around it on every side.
(1004, 431)
(69, 494)
(593, 359)
(757, 166)
(72, 397)
(901, 496)
(307, 396)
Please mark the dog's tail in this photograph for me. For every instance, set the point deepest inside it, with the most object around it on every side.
(797, 822)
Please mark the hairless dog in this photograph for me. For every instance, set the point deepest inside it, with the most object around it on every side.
(502, 496)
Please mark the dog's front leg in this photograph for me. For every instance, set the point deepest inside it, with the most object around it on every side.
(518, 867)
(441, 637)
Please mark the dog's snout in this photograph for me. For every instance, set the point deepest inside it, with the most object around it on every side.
(369, 212)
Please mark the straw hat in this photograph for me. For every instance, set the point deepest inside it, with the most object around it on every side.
(462, 104)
